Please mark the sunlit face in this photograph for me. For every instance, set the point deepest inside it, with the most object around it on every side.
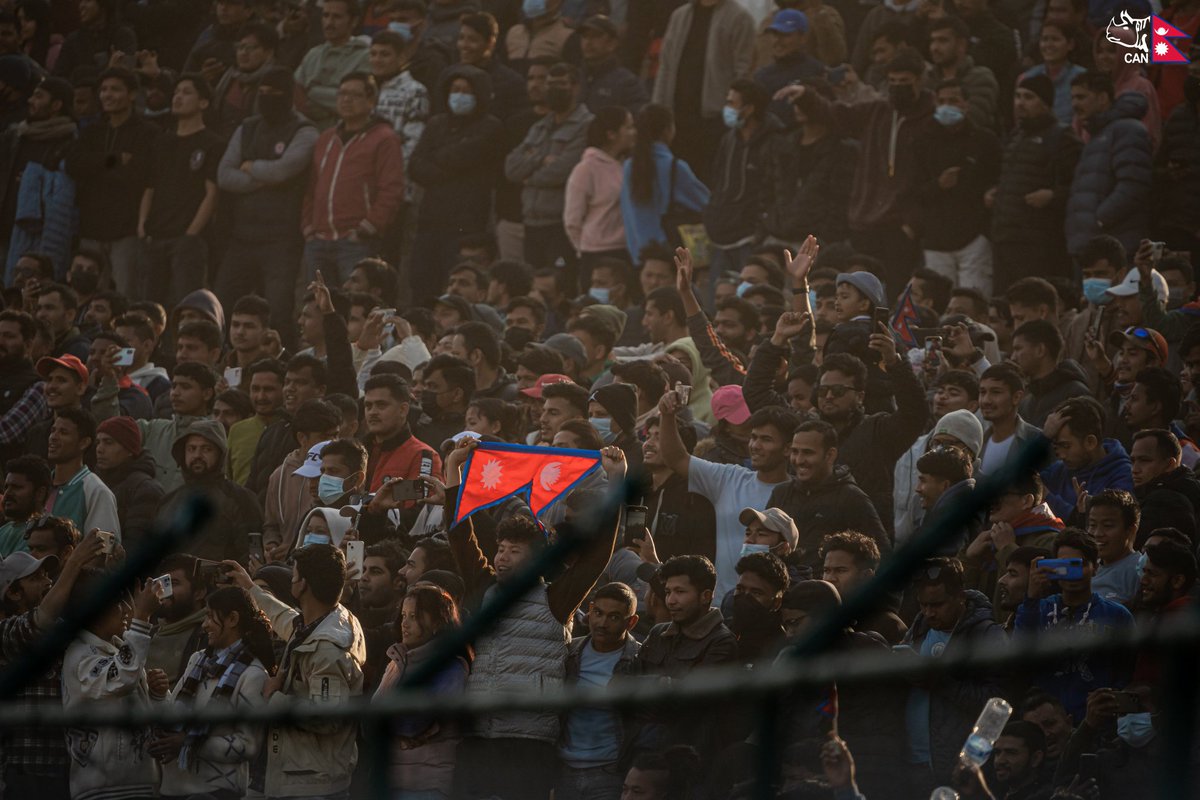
(1148, 462)
(841, 570)
(684, 601)
(1113, 539)
(1139, 411)
(609, 622)
(811, 461)
(949, 397)
(511, 557)
(768, 449)
(1013, 585)
(997, 401)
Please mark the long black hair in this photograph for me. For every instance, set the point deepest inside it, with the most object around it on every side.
(253, 625)
(653, 122)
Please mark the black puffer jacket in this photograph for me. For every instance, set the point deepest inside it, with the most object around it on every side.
(1044, 394)
(835, 504)
(1041, 154)
(809, 188)
(740, 176)
(1180, 481)
(458, 158)
(1111, 190)
(138, 494)
(1179, 159)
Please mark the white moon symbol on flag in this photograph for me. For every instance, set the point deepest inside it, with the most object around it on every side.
(550, 474)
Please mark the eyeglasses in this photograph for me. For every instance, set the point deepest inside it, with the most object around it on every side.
(835, 389)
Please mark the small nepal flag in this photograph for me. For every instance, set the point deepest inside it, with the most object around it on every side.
(1161, 49)
(496, 471)
(905, 319)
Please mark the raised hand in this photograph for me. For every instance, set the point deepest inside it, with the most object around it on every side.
(798, 266)
(321, 293)
(789, 324)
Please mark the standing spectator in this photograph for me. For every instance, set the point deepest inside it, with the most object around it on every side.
(542, 33)
(427, 55)
(1112, 520)
(78, 494)
(1108, 50)
(1056, 46)
(112, 166)
(215, 47)
(288, 499)
(790, 59)
(262, 175)
(357, 183)
(1049, 378)
(543, 163)
(236, 91)
(605, 81)
(680, 520)
(1178, 186)
(1111, 190)
(477, 36)
(100, 35)
(322, 663)
(656, 180)
(708, 44)
(394, 451)
(180, 198)
(128, 471)
(960, 161)
(1031, 192)
(319, 76)
(263, 381)
(741, 176)
(456, 164)
(949, 38)
(1005, 434)
(510, 233)
(592, 200)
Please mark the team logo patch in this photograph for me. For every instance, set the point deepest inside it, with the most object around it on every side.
(196, 162)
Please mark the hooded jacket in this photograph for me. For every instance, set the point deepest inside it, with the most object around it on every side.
(1111, 190)
(955, 700)
(592, 203)
(158, 435)
(1179, 481)
(236, 510)
(458, 159)
(1043, 395)
(1041, 154)
(206, 303)
(700, 401)
(1113, 471)
(138, 497)
(356, 184)
(834, 504)
(740, 179)
(809, 187)
(288, 501)
(307, 758)
(544, 181)
(338, 525)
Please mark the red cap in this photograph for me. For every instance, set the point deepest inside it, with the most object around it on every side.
(542, 382)
(1145, 338)
(70, 362)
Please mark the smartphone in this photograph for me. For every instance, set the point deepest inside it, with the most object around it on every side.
(1089, 766)
(108, 542)
(933, 344)
(386, 312)
(1063, 569)
(1127, 703)
(233, 376)
(256, 547)
(635, 523)
(163, 587)
(408, 490)
(125, 357)
(210, 573)
(355, 550)
(881, 315)
(684, 393)
(1157, 250)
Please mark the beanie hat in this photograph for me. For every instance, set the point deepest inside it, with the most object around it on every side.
(1042, 86)
(962, 425)
(620, 401)
(125, 432)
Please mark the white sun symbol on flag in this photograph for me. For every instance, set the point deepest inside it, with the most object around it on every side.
(491, 474)
(1160, 49)
(550, 474)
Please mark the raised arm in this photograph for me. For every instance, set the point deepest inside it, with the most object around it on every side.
(670, 445)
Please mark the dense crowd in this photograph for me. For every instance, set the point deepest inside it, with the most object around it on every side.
(801, 276)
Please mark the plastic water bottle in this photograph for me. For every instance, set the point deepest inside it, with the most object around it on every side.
(991, 722)
(943, 793)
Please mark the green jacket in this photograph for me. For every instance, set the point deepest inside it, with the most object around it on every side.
(158, 435)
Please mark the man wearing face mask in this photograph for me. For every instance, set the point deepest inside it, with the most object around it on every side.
(613, 413)
(262, 177)
(772, 531)
(543, 34)
(1128, 745)
(755, 602)
(959, 161)
(449, 384)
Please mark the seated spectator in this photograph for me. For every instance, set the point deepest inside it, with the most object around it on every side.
(1086, 462)
(1112, 520)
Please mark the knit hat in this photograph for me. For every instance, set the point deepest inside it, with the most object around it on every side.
(620, 401)
(962, 425)
(1042, 86)
(729, 405)
(125, 432)
(866, 283)
(611, 316)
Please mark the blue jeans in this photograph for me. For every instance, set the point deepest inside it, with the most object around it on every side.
(335, 259)
(594, 783)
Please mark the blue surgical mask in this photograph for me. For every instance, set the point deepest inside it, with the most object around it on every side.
(461, 103)
(1136, 730)
(603, 426)
(732, 117)
(748, 548)
(533, 8)
(948, 115)
(402, 28)
(744, 287)
(601, 294)
(316, 538)
(329, 488)
(1094, 290)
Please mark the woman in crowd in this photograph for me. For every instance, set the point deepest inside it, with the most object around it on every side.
(592, 213)
(490, 415)
(423, 749)
(1057, 47)
(215, 762)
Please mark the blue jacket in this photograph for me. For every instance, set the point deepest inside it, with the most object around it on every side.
(1114, 471)
(1071, 680)
(46, 217)
(643, 223)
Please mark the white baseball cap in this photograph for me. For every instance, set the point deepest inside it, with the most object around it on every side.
(1129, 286)
(311, 468)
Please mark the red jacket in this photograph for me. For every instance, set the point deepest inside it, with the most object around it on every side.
(398, 457)
(355, 185)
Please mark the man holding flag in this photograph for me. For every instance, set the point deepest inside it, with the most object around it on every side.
(512, 755)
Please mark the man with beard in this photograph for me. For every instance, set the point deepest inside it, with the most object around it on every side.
(180, 617)
(1012, 586)
(304, 379)
(237, 89)
(26, 487)
(22, 395)
(1017, 761)
(380, 590)
(128, 470)
(57, 308)
(201, 451)
(263, 380)
(77, 493)
(1159, 478)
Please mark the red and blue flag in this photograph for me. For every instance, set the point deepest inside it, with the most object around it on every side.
(496, 471)
(905, 319)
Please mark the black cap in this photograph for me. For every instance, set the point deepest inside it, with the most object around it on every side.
(602, 24)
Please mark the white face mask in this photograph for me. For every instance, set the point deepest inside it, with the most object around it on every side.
(1136, 730)
(748, 548)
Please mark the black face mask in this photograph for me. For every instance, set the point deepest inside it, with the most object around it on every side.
(429, 403)
(274, 107)
(751, 619)
(558, 98)
(83, 282)
(1191, 89)
(903, 96)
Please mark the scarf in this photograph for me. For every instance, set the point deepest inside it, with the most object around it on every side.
(234, 74)
(58, 127)
(227, 666)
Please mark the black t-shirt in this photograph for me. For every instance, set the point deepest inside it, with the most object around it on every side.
(182, 165)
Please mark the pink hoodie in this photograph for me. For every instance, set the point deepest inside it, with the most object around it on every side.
(592, 211)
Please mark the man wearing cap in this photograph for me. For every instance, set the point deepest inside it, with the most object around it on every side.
(450, 311)
(613, 413)
(1173, 324)
(1137, 349)
(574, 356)
(40, 144)
(78, 494)
(605, 81)
(772, 531)
(128, 471)
(200, 450)
(791, 62)
(1126, 299)
(64, 384)
(1029, 197)
(288, 499)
